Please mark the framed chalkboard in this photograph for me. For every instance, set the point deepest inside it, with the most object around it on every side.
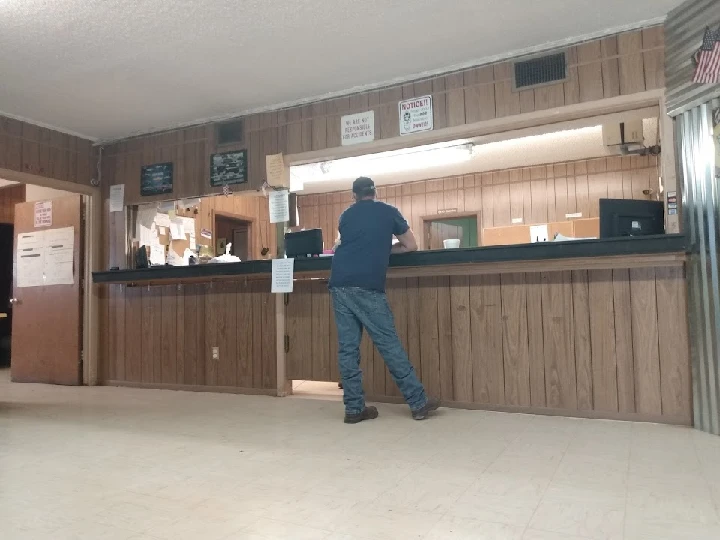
(156, 179)
(228, 168)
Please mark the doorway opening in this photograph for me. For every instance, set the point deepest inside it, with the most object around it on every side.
(235, 230)
(462, 228)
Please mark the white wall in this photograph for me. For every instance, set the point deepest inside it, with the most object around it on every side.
(39, 193)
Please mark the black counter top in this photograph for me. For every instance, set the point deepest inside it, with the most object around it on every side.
(668, 243)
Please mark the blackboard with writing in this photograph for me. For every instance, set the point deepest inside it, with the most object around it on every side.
(228, 168)
(156, 179)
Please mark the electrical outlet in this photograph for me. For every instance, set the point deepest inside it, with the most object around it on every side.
(216, 353)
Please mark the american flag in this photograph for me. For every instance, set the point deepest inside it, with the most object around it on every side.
(707, 59)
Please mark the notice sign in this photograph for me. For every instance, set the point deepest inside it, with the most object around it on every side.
(282, 275)
(43, 214)
(358, 128)
(279, 206)
(416, 115)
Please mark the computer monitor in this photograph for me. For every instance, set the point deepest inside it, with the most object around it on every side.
(304, 243)
(628, 217)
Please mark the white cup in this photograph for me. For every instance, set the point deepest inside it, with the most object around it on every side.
(451, 243)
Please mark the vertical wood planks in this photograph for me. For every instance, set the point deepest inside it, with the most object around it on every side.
(320, 331)
(624, 340)
(557, 307)
(645, 340)
(461, 338)
(486, 339)
(168, 361)
(245, 335)
(602, 341)
(632, 74)
(445, 349)
(675, 377)
(582, 353)
(133, 334)
(515, 344)
(536, 339)
(429, 339)
(590, 77)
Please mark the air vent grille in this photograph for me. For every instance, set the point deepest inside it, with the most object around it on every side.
(542, 70)
(230, 132)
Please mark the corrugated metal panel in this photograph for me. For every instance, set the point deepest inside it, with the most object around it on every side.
(684, 31)
(701, 213)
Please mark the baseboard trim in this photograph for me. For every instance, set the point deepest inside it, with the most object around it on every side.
(194, 388)
(547, 411)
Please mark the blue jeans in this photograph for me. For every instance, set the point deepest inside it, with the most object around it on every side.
(355, 309)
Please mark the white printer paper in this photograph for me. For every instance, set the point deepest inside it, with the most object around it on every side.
(282, 275)
(59, 248)
(30, 259)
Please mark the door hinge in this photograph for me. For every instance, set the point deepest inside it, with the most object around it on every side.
(82, 357)
(287, 343)
(287, 298)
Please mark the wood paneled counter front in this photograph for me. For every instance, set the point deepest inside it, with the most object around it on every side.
(592, 328)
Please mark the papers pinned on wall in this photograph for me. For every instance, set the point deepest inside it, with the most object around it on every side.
(46, 258)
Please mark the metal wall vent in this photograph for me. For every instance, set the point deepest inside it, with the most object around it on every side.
(547, 69)
(230, 132)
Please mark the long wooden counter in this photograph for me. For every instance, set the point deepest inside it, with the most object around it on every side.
(591, 328)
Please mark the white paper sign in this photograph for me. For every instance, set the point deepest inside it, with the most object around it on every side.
(157, 254)
(538, 233)
(30, 259)
(117, 198)
(177, 229)
(43, 214)
(46, 258)
(357, 128)
(282, 275)
(279, 206)
(59, 245)
(416, 115)
(173, 259)
(162, 220)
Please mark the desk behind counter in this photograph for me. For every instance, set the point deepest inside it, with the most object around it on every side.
(588, 328)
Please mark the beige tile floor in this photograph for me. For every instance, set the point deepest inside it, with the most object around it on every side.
(121, 464)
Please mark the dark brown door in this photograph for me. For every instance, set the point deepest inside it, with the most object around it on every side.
(47, 318)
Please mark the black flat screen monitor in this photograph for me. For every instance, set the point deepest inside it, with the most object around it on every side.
(627, 217)
(304, 243)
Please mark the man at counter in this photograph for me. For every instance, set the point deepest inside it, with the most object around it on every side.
(357, 287)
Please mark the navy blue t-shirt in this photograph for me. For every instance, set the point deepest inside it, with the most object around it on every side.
(366, 232)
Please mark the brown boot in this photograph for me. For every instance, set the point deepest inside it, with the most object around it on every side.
(423, 412)
(369, 413)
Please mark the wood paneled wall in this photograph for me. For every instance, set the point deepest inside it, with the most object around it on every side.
(623, 64)
(608, 343)
(535, 194)
(31, 149)
(162, 336)
(9, 197)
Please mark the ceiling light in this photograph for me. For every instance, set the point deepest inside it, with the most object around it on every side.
(396, 161)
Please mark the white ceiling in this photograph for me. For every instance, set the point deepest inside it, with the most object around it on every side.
(111, 68)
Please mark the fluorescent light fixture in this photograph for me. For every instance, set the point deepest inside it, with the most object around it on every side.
(396, 161)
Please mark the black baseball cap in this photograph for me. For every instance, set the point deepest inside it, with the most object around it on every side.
(363, 186)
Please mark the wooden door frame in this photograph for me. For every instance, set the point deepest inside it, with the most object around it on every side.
(427, 220)
(92, 202)
(239, 217)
